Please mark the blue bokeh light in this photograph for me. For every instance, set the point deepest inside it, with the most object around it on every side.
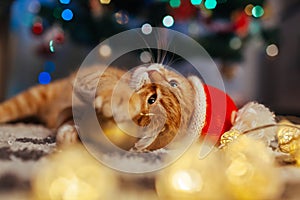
(64, 1)
(67, 14)
(44, 78)
(210, 4)
(196, 2)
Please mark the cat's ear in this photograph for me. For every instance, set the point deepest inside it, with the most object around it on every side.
(199, 115)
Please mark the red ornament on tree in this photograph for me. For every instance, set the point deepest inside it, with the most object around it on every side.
(37, 28)
(59, 38)
(241, 22)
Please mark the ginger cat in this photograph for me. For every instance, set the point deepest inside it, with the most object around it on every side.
(156, 95)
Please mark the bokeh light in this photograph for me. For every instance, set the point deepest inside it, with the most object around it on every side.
(73, 174)
(243, 170)
(37, 28)
(64, 1)
(104, 1)
(174, 3)
(187, 180)
(194, 29)
(121, 17)
(44, 78)
(67, 14)
(272, 50)
(191, 178)
(105, 50)
(145, 57)
(34, 6)
(51, 46)
(248, 9)
(235, 43)
(196, 2)
(210, 4)
(146, 29)
(257, 11)
(168, 21)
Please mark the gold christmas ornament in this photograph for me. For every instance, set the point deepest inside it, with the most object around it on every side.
(297, 157)
(74, 175)
(255, 121)
(229, 137)
(288, 136)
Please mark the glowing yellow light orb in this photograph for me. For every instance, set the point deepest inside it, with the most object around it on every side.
(73, 175)
(105, 1)
(191, 178)
(187, 180)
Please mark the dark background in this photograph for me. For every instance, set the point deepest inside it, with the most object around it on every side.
(249, 72)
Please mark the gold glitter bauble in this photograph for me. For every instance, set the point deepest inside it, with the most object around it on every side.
(229, 137)
(288, 136)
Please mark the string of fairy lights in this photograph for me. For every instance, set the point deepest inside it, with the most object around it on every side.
(122, 17)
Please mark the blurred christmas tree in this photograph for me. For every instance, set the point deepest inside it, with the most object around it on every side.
(220, 26)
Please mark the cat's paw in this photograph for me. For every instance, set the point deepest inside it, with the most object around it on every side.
(66, 135)
(103, 105)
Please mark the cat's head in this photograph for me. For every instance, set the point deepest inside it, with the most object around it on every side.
(163, 101)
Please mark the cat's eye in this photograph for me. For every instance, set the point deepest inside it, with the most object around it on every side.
(152, 99)
(173, 83)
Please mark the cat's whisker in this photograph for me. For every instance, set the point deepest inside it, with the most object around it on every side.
(158, 55)
(148, 47)
(147, 114)
(163, 57)
(173, 61)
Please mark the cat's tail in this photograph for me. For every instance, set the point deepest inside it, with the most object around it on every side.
(27, 103)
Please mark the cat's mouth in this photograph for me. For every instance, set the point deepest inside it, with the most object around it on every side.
(146, 141)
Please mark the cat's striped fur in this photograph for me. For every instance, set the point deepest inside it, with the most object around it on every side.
(156, 91)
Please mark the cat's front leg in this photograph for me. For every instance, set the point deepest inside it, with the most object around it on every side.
(67, 134)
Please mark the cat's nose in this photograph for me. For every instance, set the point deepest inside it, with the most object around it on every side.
(151, 72)
(154, 75)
